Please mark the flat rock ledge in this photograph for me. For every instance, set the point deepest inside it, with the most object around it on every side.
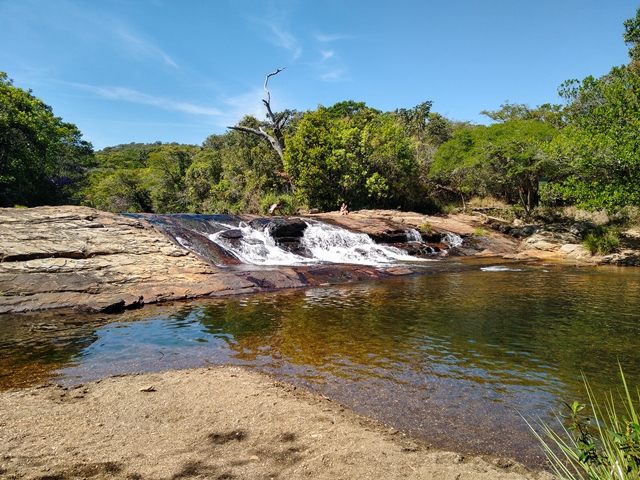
(85, 259)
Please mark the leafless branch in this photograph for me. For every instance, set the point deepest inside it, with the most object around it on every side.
(266, 80)
(277, 140)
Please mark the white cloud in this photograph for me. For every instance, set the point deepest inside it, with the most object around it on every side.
(143, 47)
(133, 96)
(286, 40)
(326, 54)
(324, 38)
(336, 75)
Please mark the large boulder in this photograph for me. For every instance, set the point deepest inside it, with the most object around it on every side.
(280, 228)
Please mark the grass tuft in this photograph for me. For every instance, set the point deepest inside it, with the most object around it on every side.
(605, 446)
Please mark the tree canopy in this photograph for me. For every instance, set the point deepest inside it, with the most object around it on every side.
(43, 160)
(597, 154)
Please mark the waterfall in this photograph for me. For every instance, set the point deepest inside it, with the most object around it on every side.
(333, 244)
(321, 243)
(256, 247)
(451, 239)
(413, 235)
(233, 239)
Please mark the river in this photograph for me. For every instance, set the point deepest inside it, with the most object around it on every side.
(454, 355)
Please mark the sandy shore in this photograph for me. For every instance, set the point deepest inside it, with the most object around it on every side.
(217, 423)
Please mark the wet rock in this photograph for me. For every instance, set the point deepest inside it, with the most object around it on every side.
(234, 233)
(581, 229)
(398, 271)
(281, 228)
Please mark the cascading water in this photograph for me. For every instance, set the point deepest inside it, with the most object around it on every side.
(413, 235)
(451, 239)
(336, 245)
(233, 239)
(256, 247)
(321, 243)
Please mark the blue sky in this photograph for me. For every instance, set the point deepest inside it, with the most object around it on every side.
(180, 70)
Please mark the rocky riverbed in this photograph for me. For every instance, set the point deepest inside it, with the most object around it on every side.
(81, 258)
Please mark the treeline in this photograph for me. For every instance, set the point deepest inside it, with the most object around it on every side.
(585, 152)
(345, 153)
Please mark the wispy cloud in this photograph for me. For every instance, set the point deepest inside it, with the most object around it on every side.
(285, 40)
(336, 75)
(133, 96)
(330, 65)
(249, 103)
(324, 38)
(140, 46)
(327, 54)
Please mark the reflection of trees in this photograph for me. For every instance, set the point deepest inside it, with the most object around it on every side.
(508, 327)
(488, 327)
(33, 346)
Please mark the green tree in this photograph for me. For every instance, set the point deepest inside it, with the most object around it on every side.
(43, 160)
(203, 174)
(351, 153)
(166, 171)
(246, 174)
(504, 160)
(119, 181)
(553, 114)
(598, 153)
(631, 37)
(118, 191)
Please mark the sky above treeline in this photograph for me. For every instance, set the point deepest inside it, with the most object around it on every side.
(180, 70)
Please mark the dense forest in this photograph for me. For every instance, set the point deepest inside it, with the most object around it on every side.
(584, 151)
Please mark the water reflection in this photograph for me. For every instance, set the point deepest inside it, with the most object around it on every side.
(452, 356)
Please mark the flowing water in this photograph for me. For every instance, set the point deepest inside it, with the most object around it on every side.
(453, 355)
(321, 243)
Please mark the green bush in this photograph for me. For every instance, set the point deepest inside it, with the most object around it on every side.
(603, 241)
(426, 228)
(606, 446)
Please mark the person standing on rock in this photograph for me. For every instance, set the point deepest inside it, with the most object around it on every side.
(344, 210)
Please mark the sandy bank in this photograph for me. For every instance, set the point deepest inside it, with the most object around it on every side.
(222, 422)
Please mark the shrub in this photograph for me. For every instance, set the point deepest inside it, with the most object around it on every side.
(606, 446)
(603, 241)
(426, 228)
(449, 208)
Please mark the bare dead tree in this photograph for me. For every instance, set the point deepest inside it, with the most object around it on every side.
(277, 123)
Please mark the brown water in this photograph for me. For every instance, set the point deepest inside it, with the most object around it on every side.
(454, 356)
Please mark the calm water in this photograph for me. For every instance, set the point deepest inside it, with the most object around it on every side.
(451, 356)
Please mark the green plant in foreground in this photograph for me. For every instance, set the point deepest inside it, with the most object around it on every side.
(606, 446)
(480, 232)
